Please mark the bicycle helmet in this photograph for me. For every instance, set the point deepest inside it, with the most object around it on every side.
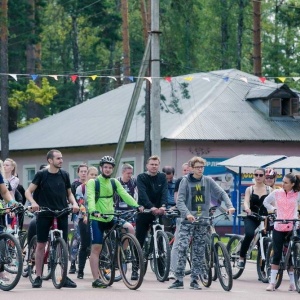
(270, 172)
(107, 160)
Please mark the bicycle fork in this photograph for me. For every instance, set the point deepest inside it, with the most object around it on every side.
(156, 228)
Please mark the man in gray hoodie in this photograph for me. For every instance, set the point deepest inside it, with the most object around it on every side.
(194, 200)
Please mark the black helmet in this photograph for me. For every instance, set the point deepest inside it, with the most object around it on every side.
(107, 160)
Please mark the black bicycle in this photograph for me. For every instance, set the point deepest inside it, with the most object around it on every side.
(121, 251)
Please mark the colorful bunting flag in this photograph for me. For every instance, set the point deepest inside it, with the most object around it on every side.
(14, 76)
(73, 77)
(262, 79)
(282, 79)
(34, 77)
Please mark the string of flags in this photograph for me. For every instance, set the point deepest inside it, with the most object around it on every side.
(74, 77)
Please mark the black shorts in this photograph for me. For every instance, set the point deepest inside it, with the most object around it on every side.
(44, 223)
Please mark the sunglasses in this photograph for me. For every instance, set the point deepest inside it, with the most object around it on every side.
(270, 177)
(260, 175)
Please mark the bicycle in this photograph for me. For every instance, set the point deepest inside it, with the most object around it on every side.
(216, 255)
(290, 255)
(260, 243)
(10, 259)
(122, 251)
(157, 249)
(56, 251)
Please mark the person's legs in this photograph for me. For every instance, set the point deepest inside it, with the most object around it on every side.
(142, 226)
(85, 236)
(174, 251)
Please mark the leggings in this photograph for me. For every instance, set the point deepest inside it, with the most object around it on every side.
(85, 238)
(250, 225)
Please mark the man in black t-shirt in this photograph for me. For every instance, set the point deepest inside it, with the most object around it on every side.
(53, 189)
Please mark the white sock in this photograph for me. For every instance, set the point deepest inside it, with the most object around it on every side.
(273, 276)
(292, 279)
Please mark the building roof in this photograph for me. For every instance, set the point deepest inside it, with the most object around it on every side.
(216, 110)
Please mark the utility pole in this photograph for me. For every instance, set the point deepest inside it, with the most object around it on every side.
(155, 75)
(257, 69)
(4, 79)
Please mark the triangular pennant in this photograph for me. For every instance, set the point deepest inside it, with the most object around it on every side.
(94, 77)
(149, 79)
(188, 78)
(112, 77)
(262, 79)
(282, 79)
(53, 76)
(226, 78)
(296, 78)
(130, 78)
(73, 77)
(206, 78)
(244, 79)
(34, 77)
(14, 76)
(169, 79)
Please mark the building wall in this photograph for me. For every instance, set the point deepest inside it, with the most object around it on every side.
(173, 153)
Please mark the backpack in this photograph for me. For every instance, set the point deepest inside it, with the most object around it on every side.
(44, 178)
(97, 189)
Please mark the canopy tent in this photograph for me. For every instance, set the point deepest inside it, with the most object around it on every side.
(292, 162)
(249, 161)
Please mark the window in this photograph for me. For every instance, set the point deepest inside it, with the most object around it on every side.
(29, 172)
(284, 107)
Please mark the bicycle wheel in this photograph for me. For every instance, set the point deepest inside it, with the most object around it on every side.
(296, 264)
(223, 266)
(261, 265)
(106, 263)
(214, 238)
(24, 246)
(162, 257)
(147, 251)
(206, 278)
(269, 258)
(233, 248)
(59, 262)
(130, 261)
(12, 261)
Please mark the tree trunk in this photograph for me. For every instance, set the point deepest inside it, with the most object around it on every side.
(4, 79)
(224, 35)
(257, 68)
(240, 30)
(126, 47)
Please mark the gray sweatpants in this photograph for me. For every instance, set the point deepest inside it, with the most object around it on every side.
(174, 251)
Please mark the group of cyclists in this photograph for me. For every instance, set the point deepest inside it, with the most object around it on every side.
(93, 196)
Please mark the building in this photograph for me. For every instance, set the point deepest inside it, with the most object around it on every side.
(224, 113)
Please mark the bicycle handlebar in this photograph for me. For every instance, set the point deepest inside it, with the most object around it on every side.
(202, 219)
(56, 213)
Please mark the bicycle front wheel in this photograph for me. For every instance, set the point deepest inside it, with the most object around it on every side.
(214, 238)
(296, 263)
(59, 263)
(162, 257)
(11, 260)
(223, 266)
(130, 261)
(233, 248)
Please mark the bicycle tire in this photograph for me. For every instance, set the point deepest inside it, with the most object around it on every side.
(233, 248)
(162, 261)
(106, 263)
(12, 260)
(129, 260)
(24, 246)
(269, 257)
(296, 263)
(261, 266)
(223, 266)
(206, 278)
(147, 251)
(214, 238)
(59, 262)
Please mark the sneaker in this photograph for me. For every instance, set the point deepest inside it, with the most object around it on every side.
(171, 275)
(98, 284)
(72, 268)
(134, 275)
(176, 285)
(241, 264)
(80, 275)
(292, 287)
(37, 283)
(194, 285)
(70, 283)
(3, 276)
(271, 287)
